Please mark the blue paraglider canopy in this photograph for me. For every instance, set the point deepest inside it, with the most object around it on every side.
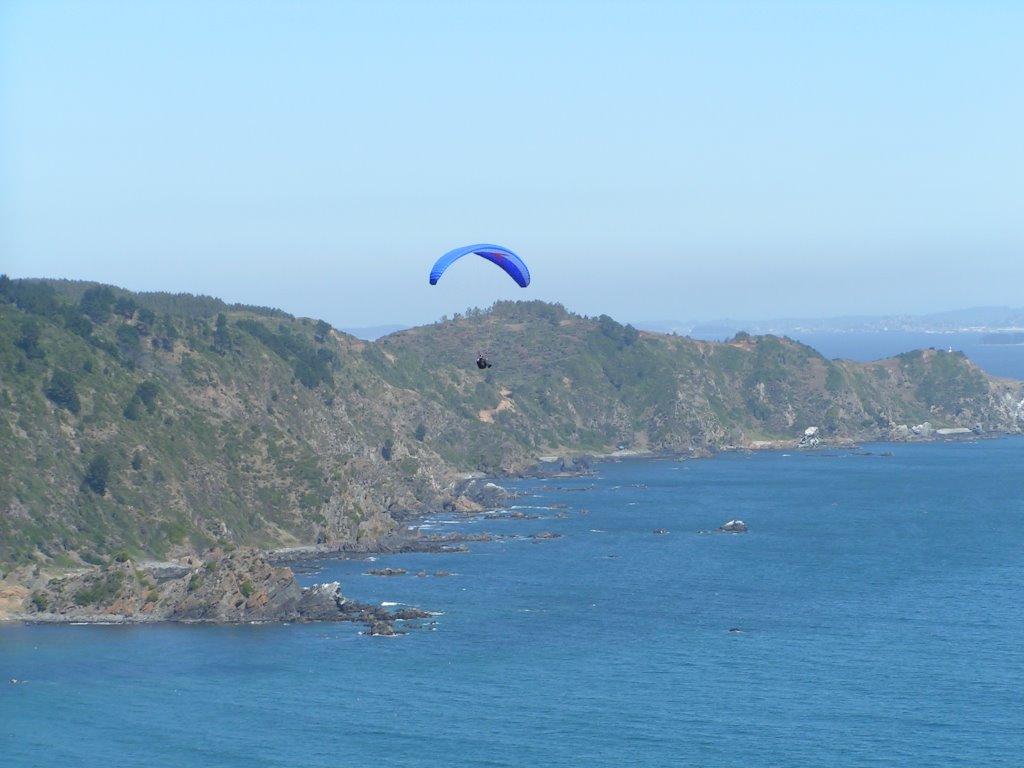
(503, 257)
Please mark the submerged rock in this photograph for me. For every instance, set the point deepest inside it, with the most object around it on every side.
(545, 535)
(386, 572)
(514, 514)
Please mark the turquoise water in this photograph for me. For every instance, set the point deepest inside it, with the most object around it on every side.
(880, 598)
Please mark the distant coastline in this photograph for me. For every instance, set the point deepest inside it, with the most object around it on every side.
(1009, 338)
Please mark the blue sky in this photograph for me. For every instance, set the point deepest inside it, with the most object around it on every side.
(678, 160)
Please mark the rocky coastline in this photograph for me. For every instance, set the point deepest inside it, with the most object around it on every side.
(248, 585)
(237, 587)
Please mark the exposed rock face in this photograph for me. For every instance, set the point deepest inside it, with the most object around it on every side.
(900, 432)
(733, 526)
(238, 587)
(163, 571)
(555, 466)
(810, 438)
(476, 494)
(224, 588)
(322, 602)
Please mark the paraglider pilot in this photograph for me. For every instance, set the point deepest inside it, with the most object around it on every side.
(482, 362)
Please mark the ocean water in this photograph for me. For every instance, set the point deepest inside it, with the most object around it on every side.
(879, 598)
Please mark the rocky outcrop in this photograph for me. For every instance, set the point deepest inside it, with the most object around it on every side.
(380, 629)
(476, 495)
(810, 438)
(322, 602)
(900, 432)
(561, 466)
(238, 587)
(386, 572)
(733, 526)
(223, 588)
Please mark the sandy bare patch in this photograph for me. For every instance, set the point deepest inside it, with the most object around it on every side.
(487, 415)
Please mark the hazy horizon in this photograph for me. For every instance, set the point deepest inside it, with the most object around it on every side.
(666, 161)
(640, 322)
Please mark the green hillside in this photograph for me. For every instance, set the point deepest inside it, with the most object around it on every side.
(159, 424)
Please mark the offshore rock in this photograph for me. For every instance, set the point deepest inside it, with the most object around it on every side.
(381, 629)
(386, 572)
(733, 526)
(545, 535)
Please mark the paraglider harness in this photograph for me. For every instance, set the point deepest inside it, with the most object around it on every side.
(482, 362)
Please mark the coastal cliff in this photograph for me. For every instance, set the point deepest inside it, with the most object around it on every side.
(160, 425)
